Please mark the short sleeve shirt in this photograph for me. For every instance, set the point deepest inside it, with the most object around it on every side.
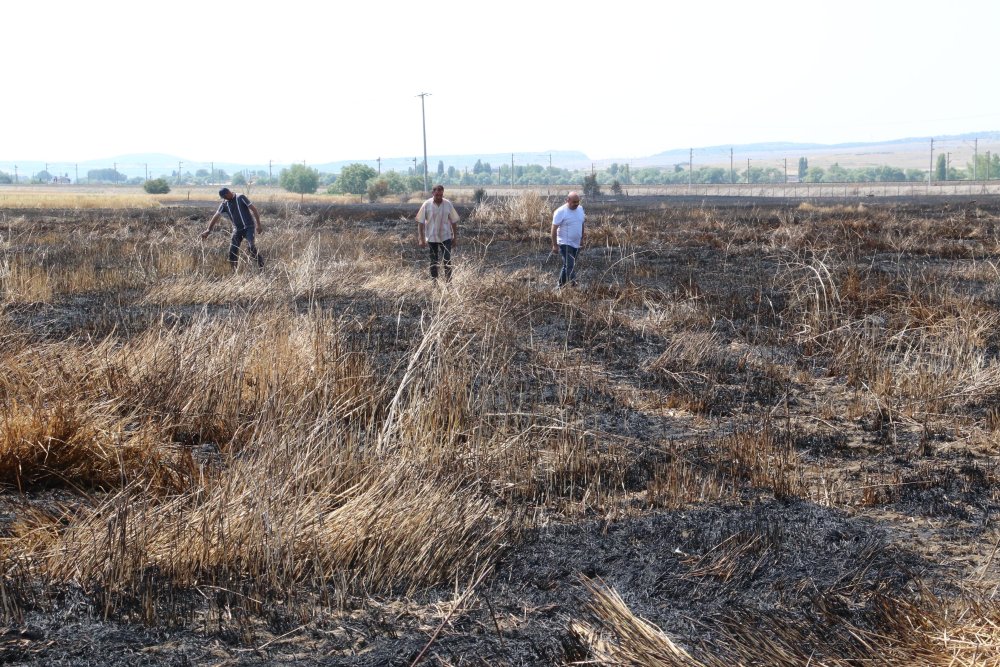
(569, 225)
(437, 220)
(238, 210)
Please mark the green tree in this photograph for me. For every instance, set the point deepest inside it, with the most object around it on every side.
(397, 182)
(803, 168)
(353, 178)
(941, 168)
(985, 168)
(711, 175)
(887, 174)
(156, 186)
(5, 178)
(815, 175)
(837, 174)
(440, 167)
(239, 178)
(105, 175)
(616, 187)
(299, 179)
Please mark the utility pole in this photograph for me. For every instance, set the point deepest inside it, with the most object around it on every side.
(15, 175)
(690, 167)
(548, 177)
(423, 118)
(114, 170)
(270, 176)
(987, 165)
(179, 172)
(512, 171)
(732, 174)
(379, 160)
(748, 171)
(975, 160)
(786, 171)
(930, 172)
(76, 172)
(145, 166)
(947, 164)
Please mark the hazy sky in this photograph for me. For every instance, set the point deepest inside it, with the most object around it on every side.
(321, 81)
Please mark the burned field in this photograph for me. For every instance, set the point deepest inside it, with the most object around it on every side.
(752, 435)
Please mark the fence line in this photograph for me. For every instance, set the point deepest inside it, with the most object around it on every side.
(776, 190)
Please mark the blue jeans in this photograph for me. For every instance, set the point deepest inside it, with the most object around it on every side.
(568, 272)
(444, 247)
(240, 233)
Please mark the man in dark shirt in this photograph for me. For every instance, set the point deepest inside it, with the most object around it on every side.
(246, 225)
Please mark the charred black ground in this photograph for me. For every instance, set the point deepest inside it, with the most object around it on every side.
(754, 502)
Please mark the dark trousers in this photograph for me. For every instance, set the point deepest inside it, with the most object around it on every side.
(234, 246)
(444, 248)
(568, 272)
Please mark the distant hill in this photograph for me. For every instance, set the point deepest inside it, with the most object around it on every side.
(908, 152)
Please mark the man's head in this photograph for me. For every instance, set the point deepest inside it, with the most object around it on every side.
(226, 193)
(438, 193)
(573, 200)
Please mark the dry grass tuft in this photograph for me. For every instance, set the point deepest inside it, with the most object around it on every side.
(622, 638)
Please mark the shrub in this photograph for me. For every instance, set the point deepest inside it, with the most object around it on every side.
(479, 195)
(377, 188)
(156, 186)
(591, 188)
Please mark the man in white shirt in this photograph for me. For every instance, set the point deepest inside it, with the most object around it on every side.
(567, 236)
(437, 228)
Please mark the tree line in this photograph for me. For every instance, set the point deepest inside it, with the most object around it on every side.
(362, 179)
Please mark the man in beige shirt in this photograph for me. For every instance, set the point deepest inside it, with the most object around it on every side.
(437, 228)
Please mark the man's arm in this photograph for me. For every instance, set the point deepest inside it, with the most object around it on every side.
(453, 219)
(211, 224)
(555, 245)
(421, 241)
